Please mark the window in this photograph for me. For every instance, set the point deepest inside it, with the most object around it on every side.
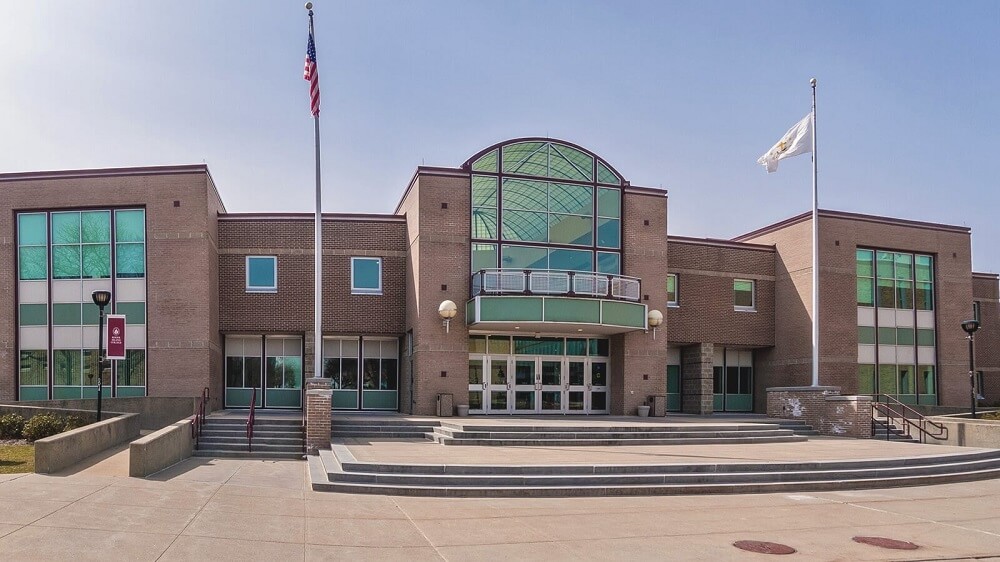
(34, 367)
(866, 335)
(366, 276)
(132, 370)
(340, 363)
(381, 358)
(283, 362)
(976, 311)
(243, 362)
(743, 295)
(979, 386)
(866, 278)
(31, 241)
(671, 289)
(262, 274)
(130, 243)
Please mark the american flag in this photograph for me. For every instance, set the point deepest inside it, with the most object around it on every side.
(311, 74)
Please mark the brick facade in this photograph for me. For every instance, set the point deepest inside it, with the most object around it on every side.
(986, 291)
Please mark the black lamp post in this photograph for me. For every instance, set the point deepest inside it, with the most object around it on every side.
(101, 299)
(970, 327)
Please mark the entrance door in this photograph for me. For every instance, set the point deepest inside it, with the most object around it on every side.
(478, 384)
(499, 386)
(525, 386)
(551, 386)
(576, 387)
(598, 386)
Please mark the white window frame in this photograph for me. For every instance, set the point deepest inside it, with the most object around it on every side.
(246, 268)
(366, 290)
(753, 296)
(677, 291)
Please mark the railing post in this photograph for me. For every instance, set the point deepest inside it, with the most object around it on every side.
(572, 286)
(527, 281)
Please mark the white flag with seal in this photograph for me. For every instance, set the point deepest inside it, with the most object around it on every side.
(798, 140)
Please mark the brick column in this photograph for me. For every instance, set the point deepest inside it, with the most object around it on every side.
(308, 355)
(318, 404)
(696, 379)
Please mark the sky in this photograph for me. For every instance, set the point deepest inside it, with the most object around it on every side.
(684, 96)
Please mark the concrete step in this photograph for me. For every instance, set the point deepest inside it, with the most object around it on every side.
(262, 447)
(617, 442)
(687, 427)
(206, 440)
(563, 435)
(219, 454)
(232, 420)
(336, 421)
(379, 434)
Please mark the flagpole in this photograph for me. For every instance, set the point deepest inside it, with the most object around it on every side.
(318, 281)
(815, 252)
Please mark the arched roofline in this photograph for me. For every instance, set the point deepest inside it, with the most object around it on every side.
(467, 165)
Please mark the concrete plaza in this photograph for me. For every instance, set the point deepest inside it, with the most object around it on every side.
(224, 509)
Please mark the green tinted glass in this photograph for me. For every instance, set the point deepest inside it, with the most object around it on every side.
(135, 312)
(887, 379)
(31, 229)
(906, 379)
(529, 158)
(609, 263)
(499, 345)
(132, 369)
(524, 257)
(866, 292)
(887, 336)
(866, 335)
(31, 263)
(573, 199)
(486, 162)
(484, 191)
(570, 163)
(924, 296)
(484, 223)
(65, 228)
(67, 367)
(538, 346)
(924, 266)
(925, 337)
(886, 294)
(904, 266)
(904, 294)
(262, 273)
(66, 314)
(366, 274)
(884, 265)
(605, 175)
(65, 262)
(743, 293)
(96, 226)
(571, 229)
(91, 314)
(96, 261)
(484, 256)
(609, 233)
(525, 195)
(525, 226)
(926, 379)
(864, 263)
(130, 260)
(130, 226)
(609, 202)
(866, 379)
(34, 367)
(575, 260)
(904, 336)
(477, 344)
(599, 348)
(32, 315)
(576, 346)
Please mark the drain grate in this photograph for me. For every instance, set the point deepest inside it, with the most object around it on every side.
(764, 547)
(883, 542)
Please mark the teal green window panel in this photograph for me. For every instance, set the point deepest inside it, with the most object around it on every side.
(904, 295)
(366, 275)
(926, 383)
(525, 226)
(887, 336)
(866, 379)
(66, 314)
(528, 158)
(571, 199)
(570, 163)
(484, 191)
(904, 336)
(743, 293)
(484, 256)
(605, 175)
(572, 310)
(66, 228)
(484, 223)
(130, 260)
(866, 335)
(379, 399)
(609, 263)
(65, 262)
(67, 367)
(262, 273)
(487, 162)
(576, 346)
(130, 226)
(33, 367)
(609, 202)
(623, 314)
(96, 260)
(925, 337)
(884, 265)
(570, 229)
(524, 257)
(538, 346)
(32, 315)
(29, 393)
(525, 195)
(345, 399)
(575, 260)
(131, 371)
(904, 266)
(863, 259)
(887, 382)
(135, 312)
(866, 291)
(609, 233)
(31, 229)
(91, 314)
(69, 392)
(923, 295)
(96, 227)
(510, 309)
(599, 347)
(283, 372)
(32, 263)
(924, 268)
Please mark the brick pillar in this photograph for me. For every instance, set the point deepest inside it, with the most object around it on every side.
(308, 355)
(318, 403)
(696, 379)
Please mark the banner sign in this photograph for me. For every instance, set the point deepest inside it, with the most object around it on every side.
(115, 336)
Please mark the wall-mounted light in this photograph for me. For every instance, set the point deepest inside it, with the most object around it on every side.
(447, 310)
(654, 319)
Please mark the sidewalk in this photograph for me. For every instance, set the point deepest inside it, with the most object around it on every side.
(263, 510)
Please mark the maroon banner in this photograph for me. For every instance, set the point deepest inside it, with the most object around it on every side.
(115, 336)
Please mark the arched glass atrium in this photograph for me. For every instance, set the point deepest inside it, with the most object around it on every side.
(544, 204)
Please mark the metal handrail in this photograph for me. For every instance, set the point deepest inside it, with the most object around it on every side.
(555, 282)
(250, 420)
(198, 424)
(892, 409)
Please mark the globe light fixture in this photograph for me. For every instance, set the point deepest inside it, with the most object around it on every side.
(654, 319)
(447, 310)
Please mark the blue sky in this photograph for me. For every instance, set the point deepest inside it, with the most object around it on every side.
(680, 95)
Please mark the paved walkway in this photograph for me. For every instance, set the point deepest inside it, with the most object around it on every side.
(205, 509)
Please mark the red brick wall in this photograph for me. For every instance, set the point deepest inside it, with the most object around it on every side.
(986, 290)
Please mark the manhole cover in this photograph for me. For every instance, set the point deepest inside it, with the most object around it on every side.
(764, 547)
(886, 543)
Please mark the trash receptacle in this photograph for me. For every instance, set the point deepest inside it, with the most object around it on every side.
(444, 405)
(658, 404)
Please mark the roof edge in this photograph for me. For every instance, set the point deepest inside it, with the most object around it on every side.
(828, 213)
(106, 172)
(717, 242)
(983, 275)
(358, 217)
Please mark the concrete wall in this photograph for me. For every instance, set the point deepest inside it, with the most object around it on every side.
(968, 432)
(55, 453)
(161, 449)
(154, 411)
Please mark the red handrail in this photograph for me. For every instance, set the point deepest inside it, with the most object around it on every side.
(892, 409)
(250, 420)
(199, 417)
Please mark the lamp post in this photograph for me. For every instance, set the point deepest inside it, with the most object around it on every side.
(101, 299)
(654, 319)
(447, 310)
(970, 327)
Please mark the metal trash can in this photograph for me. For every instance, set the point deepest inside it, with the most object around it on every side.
(444, 405)
(659, 405)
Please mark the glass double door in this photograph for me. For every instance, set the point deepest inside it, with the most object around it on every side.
(538, 385)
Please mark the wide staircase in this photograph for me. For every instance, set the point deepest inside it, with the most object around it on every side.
(226, 436)
(381, 427)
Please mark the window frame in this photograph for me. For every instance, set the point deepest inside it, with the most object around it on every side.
(366, 290)
(753, 296)
(261, 289)
(677, 292)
